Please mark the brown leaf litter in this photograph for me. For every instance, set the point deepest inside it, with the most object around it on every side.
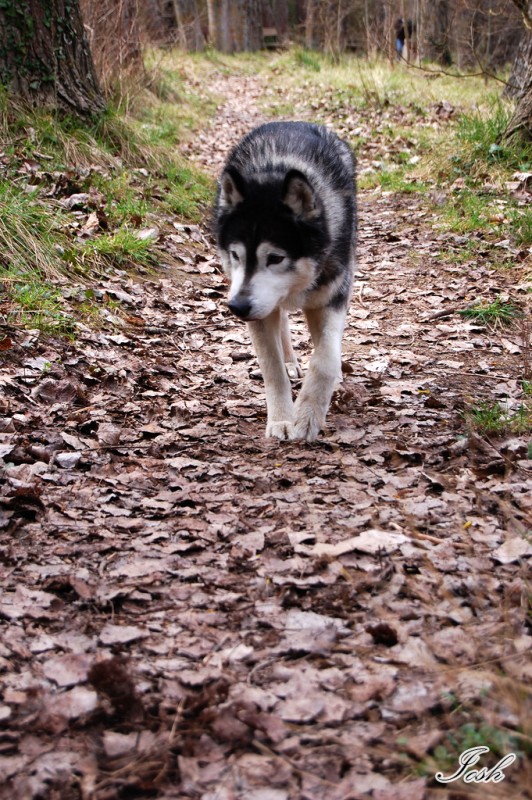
(190, 610)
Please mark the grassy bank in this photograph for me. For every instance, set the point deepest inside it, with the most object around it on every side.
(78, 199)
(419, 131)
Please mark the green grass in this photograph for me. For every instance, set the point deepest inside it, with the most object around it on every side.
(478, 157)
(480, 144)
(467, 723)
(123, 248)
(176, 189)
(189, 193)
(468, 251)
(30, 232)
(467, 212)
(124, 197)
(305, 58)
(520, 220)
(375, 83)
(445, 756)
(499, 311)
(35, 303)
(33, 252)
(392, 180)
(492, 418)
(473, 210)
(35, 249)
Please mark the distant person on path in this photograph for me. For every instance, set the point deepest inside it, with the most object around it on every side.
(400, 36)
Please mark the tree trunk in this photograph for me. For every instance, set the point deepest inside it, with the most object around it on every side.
(45, 57)
(520, 84)
(390, 17)
(181, 30)
(187, 18)
(520, 124)
(520, 77)
(275, 14)
(246, 25)
(235, 25)
(310, 21)
(218, 17)
(438, 33)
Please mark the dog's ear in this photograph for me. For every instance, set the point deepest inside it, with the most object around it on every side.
(299, 195)
(232, 188)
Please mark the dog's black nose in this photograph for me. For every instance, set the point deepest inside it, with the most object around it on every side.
(240, 306)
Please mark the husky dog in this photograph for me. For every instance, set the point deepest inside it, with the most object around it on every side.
(285, 224)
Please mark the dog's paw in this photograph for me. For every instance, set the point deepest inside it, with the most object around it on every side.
(308, 424)
(280, 429)
(293, 370)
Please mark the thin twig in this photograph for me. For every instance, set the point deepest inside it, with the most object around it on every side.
(292, 764)
(483, 73)
(447, 312)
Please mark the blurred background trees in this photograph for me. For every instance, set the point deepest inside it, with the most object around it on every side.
(464, 32)
(483, 34)
(49, 48)
(478, 35)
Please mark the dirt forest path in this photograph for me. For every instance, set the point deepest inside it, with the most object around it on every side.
(189, 610)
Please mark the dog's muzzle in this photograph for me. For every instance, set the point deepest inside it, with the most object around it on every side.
(240, 306)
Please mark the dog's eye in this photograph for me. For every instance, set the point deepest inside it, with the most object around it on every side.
(234, 255)
(274, 258)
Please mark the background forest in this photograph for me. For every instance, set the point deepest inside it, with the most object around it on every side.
(472, 35)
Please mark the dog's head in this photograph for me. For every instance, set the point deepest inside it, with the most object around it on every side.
(271, 236)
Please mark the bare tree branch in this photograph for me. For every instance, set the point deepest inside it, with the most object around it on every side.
(524, 8)
(483, 72)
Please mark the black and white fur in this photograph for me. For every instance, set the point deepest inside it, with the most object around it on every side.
(285, 225)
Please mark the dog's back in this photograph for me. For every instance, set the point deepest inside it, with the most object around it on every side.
(312, 149)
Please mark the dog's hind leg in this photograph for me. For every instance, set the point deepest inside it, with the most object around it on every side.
(266, 335)
(290, 359)
(326, 328)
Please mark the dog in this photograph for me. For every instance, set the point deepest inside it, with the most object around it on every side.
(285, 224)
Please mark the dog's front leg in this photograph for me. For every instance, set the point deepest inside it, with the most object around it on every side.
(266, 338)
(324, 372)
(293, 369)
